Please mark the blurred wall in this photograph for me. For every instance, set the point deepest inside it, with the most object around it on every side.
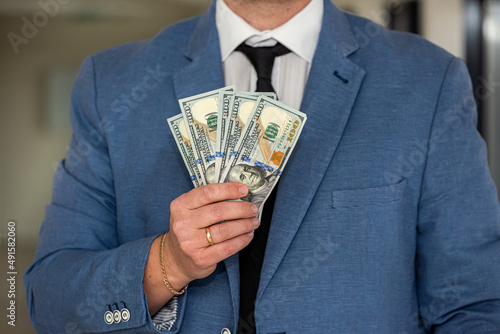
(441, 21)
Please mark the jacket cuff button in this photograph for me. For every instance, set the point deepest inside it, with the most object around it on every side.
(108, 317)
(125, 314)
(117, 317)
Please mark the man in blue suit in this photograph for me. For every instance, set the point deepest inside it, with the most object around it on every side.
(386, 219)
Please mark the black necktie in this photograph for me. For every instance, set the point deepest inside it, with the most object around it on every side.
(262, 59)
(252, 257)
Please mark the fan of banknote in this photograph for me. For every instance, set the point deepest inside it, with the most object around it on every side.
(230, 136)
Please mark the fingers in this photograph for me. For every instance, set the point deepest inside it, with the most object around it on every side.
(221, 251)
(231, 229)
(229, 238)
(192, 255)
(223, 211)
(207, 206)
(212, 193)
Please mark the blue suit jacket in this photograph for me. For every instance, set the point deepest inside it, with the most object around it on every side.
(386, 219)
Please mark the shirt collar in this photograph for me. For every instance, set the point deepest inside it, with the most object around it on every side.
(300, 34)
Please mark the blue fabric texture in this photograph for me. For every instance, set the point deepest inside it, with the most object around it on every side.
(386, 219)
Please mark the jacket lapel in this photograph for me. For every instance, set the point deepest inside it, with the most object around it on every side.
(204, 70)
(331, 91)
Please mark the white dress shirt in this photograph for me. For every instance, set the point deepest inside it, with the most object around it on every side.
(290, 72)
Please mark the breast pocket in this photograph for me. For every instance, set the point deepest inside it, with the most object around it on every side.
(368, 196)
(370, 221)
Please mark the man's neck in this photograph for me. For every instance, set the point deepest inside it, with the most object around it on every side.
(266, 14)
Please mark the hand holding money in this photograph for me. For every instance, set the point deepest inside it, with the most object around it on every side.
(187, 253)
(186, 246)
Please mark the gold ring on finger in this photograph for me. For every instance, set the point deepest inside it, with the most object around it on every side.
(209, 236)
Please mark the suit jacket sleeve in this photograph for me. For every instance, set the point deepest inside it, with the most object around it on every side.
(458, 261)
(81, 270)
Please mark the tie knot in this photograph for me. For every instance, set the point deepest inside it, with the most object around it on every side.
(262, 59)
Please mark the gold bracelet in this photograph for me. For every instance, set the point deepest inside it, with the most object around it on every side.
(165, 280)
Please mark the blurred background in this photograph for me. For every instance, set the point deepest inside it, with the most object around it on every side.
(43, 42)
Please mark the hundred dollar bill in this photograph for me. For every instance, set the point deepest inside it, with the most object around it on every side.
(178, 127)
(200, 114)
(264, 147)
(225, 102)
(239, 110)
